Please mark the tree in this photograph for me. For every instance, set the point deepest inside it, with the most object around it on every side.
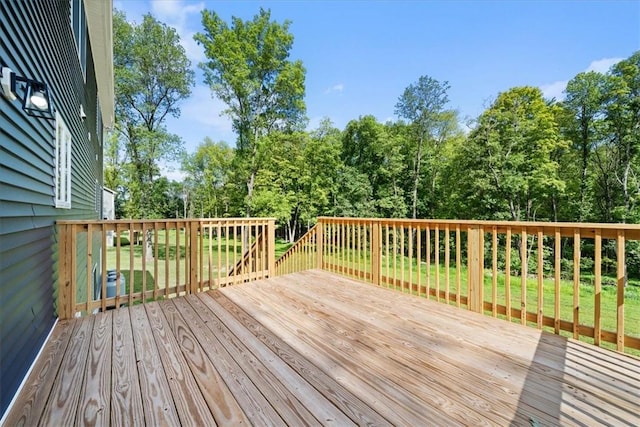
(423, 105)
(584, 105)
(375, 153)
(208, 177)
(249, 70)
(295, 183)
(507, 166)
(152, 76)
(623, 125)
(114, 169)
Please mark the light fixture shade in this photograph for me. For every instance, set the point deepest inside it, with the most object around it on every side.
(34, 95)
(39, 100)
(36, 101)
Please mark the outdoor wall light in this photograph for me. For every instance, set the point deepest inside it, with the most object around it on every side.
(33, 94)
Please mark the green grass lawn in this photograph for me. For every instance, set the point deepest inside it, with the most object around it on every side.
(172, 264)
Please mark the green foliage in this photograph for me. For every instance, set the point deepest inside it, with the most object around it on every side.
(623, 124)
(209, 172)
(295, 183)
(508, 158)
(372, 155)
(248, 69)
(423, 105)
(582, 124)
(152, 76)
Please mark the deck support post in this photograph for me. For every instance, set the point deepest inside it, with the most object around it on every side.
(271, 247)
(319, 243)
(475, 240)
(65, 301)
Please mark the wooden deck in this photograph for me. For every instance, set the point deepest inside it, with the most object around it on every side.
(314, 348)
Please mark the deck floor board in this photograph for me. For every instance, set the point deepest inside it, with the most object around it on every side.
(315, 348)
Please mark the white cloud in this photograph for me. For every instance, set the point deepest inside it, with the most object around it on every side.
(194, 51)
(181, 16)
(175, 10)
(172, 171)
(335, 88)
(556, 89)
(203, 109)
(603, 65)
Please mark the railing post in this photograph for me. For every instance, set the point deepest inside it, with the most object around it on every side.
(375, 252)
(476, 268)
(65, 306)
(319, 243)
(193, 260)
(271, 247)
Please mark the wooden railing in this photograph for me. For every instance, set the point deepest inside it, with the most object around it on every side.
(105, 264)
(564, 277)
(303, 255)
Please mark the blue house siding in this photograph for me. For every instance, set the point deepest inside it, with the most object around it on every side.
(37, 41)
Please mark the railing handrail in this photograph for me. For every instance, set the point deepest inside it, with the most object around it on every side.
(296, 244)
(163, 220)
(632, 230)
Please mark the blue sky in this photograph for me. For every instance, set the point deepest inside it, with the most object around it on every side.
(361, 55)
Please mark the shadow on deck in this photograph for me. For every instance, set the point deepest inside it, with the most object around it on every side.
(314, 348)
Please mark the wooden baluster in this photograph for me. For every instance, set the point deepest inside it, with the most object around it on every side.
(507, 274)
(494, 271)
(156, 266)
(576, 283)
(597, 319)
(436, 250)
(621, 282)
(557, 270)
(458, 264)
(523, 277)
(419, 258)
(447, 261)
(540, 315)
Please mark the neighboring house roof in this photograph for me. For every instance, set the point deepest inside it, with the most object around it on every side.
(100, 24)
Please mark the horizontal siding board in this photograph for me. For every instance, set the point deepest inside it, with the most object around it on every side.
(18, 225)
(40, 157)
(24, 180)
(12, 209)
(20, 295)
(15, 125)
(41, 213)
(32, 302)
(21, 246)
(28, 237)
(37, 42)
(26, 164)
(23, 353)
(22, 195)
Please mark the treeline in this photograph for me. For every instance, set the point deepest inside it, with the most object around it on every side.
(527, 158)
